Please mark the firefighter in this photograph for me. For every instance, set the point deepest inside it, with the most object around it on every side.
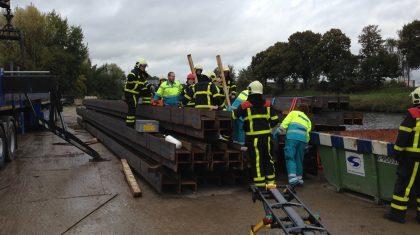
(136, 86)
(297, 126)
(259, 119)
(231, 86)
(169, 91)
(407, 153)
(190, 82)
(204, 93)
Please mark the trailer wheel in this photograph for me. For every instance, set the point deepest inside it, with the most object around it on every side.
(11, 136)
(3, 146)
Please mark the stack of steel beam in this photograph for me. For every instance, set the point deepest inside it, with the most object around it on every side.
(202, 153)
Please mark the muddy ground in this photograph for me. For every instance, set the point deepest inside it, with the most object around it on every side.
(51, 186)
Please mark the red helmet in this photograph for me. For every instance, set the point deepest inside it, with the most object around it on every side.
(190, 76)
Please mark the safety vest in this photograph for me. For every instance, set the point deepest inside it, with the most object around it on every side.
(136, 82)
(298, 126)
(407, 143)
(258, 120)
(170, 92)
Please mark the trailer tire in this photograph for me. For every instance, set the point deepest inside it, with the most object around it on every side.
(3, 146)
(11, 139)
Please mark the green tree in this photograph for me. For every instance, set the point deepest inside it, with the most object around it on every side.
(107, 82)
(376, 63)
(335, 59)
(410, 46)
(302, 56)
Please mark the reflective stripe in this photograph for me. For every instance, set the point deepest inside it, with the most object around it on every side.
(297, 131)
(258, 132)
(259, 178)
(233, 115)
(135, 100)
(275, 117)
(259, 184)
(131, 91)
(131, 117)
(257, 116)
(257, 160)
(401, 208)
(413, 177)
(401, 199)
(203, 106)
(416, 135)
(418, 200)
(398, 148)
(406, 129)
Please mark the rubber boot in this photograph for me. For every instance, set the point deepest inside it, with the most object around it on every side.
(395, 216)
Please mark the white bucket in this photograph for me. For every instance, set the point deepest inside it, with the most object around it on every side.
(171, 139)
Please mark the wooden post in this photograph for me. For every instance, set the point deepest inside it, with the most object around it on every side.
(135, 189)
(222, 75)
(190, 62)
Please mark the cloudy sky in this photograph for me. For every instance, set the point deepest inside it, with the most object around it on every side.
(164, 32)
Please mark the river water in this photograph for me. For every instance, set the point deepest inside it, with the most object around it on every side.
(379, 121)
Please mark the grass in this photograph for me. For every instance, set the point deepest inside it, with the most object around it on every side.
(387, 99)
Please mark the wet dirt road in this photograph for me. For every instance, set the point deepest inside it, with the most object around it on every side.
(51, 186)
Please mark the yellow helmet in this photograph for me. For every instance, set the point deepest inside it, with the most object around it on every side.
(255, 87)
(210, 74)
(415, 96)
(141, 61)
(226, 69)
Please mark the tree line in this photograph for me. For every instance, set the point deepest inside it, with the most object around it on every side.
(325, 61)
(50, 43)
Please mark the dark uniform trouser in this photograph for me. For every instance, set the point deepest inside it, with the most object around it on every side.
(259, 148)
(407, 179)
(131, 100)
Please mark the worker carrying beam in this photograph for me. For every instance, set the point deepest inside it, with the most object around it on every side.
(136, 86)
(230, 83)
(407, 153)
(204, 93)
(169, 91)
(259, 119)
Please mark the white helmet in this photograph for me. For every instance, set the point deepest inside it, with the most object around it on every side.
(141, 61)
(255, 87)
(415, 96)
(210, 74)
(198, 67)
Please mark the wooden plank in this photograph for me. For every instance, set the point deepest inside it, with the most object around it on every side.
(135, 189)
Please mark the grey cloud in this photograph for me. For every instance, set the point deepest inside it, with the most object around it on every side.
(164, 32)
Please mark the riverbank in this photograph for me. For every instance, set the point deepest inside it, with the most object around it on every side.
(387, 99)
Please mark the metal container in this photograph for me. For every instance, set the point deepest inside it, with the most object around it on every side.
(359, 161)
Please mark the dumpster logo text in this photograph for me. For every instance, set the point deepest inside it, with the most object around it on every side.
(355, 161)
(355, 164)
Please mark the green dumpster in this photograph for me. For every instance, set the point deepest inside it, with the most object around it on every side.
(361, 165)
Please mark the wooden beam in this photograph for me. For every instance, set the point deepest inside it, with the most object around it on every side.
(190, 62)
(222, 75)
(135, 189)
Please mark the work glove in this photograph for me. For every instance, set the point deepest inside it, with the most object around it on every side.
(278, 131)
